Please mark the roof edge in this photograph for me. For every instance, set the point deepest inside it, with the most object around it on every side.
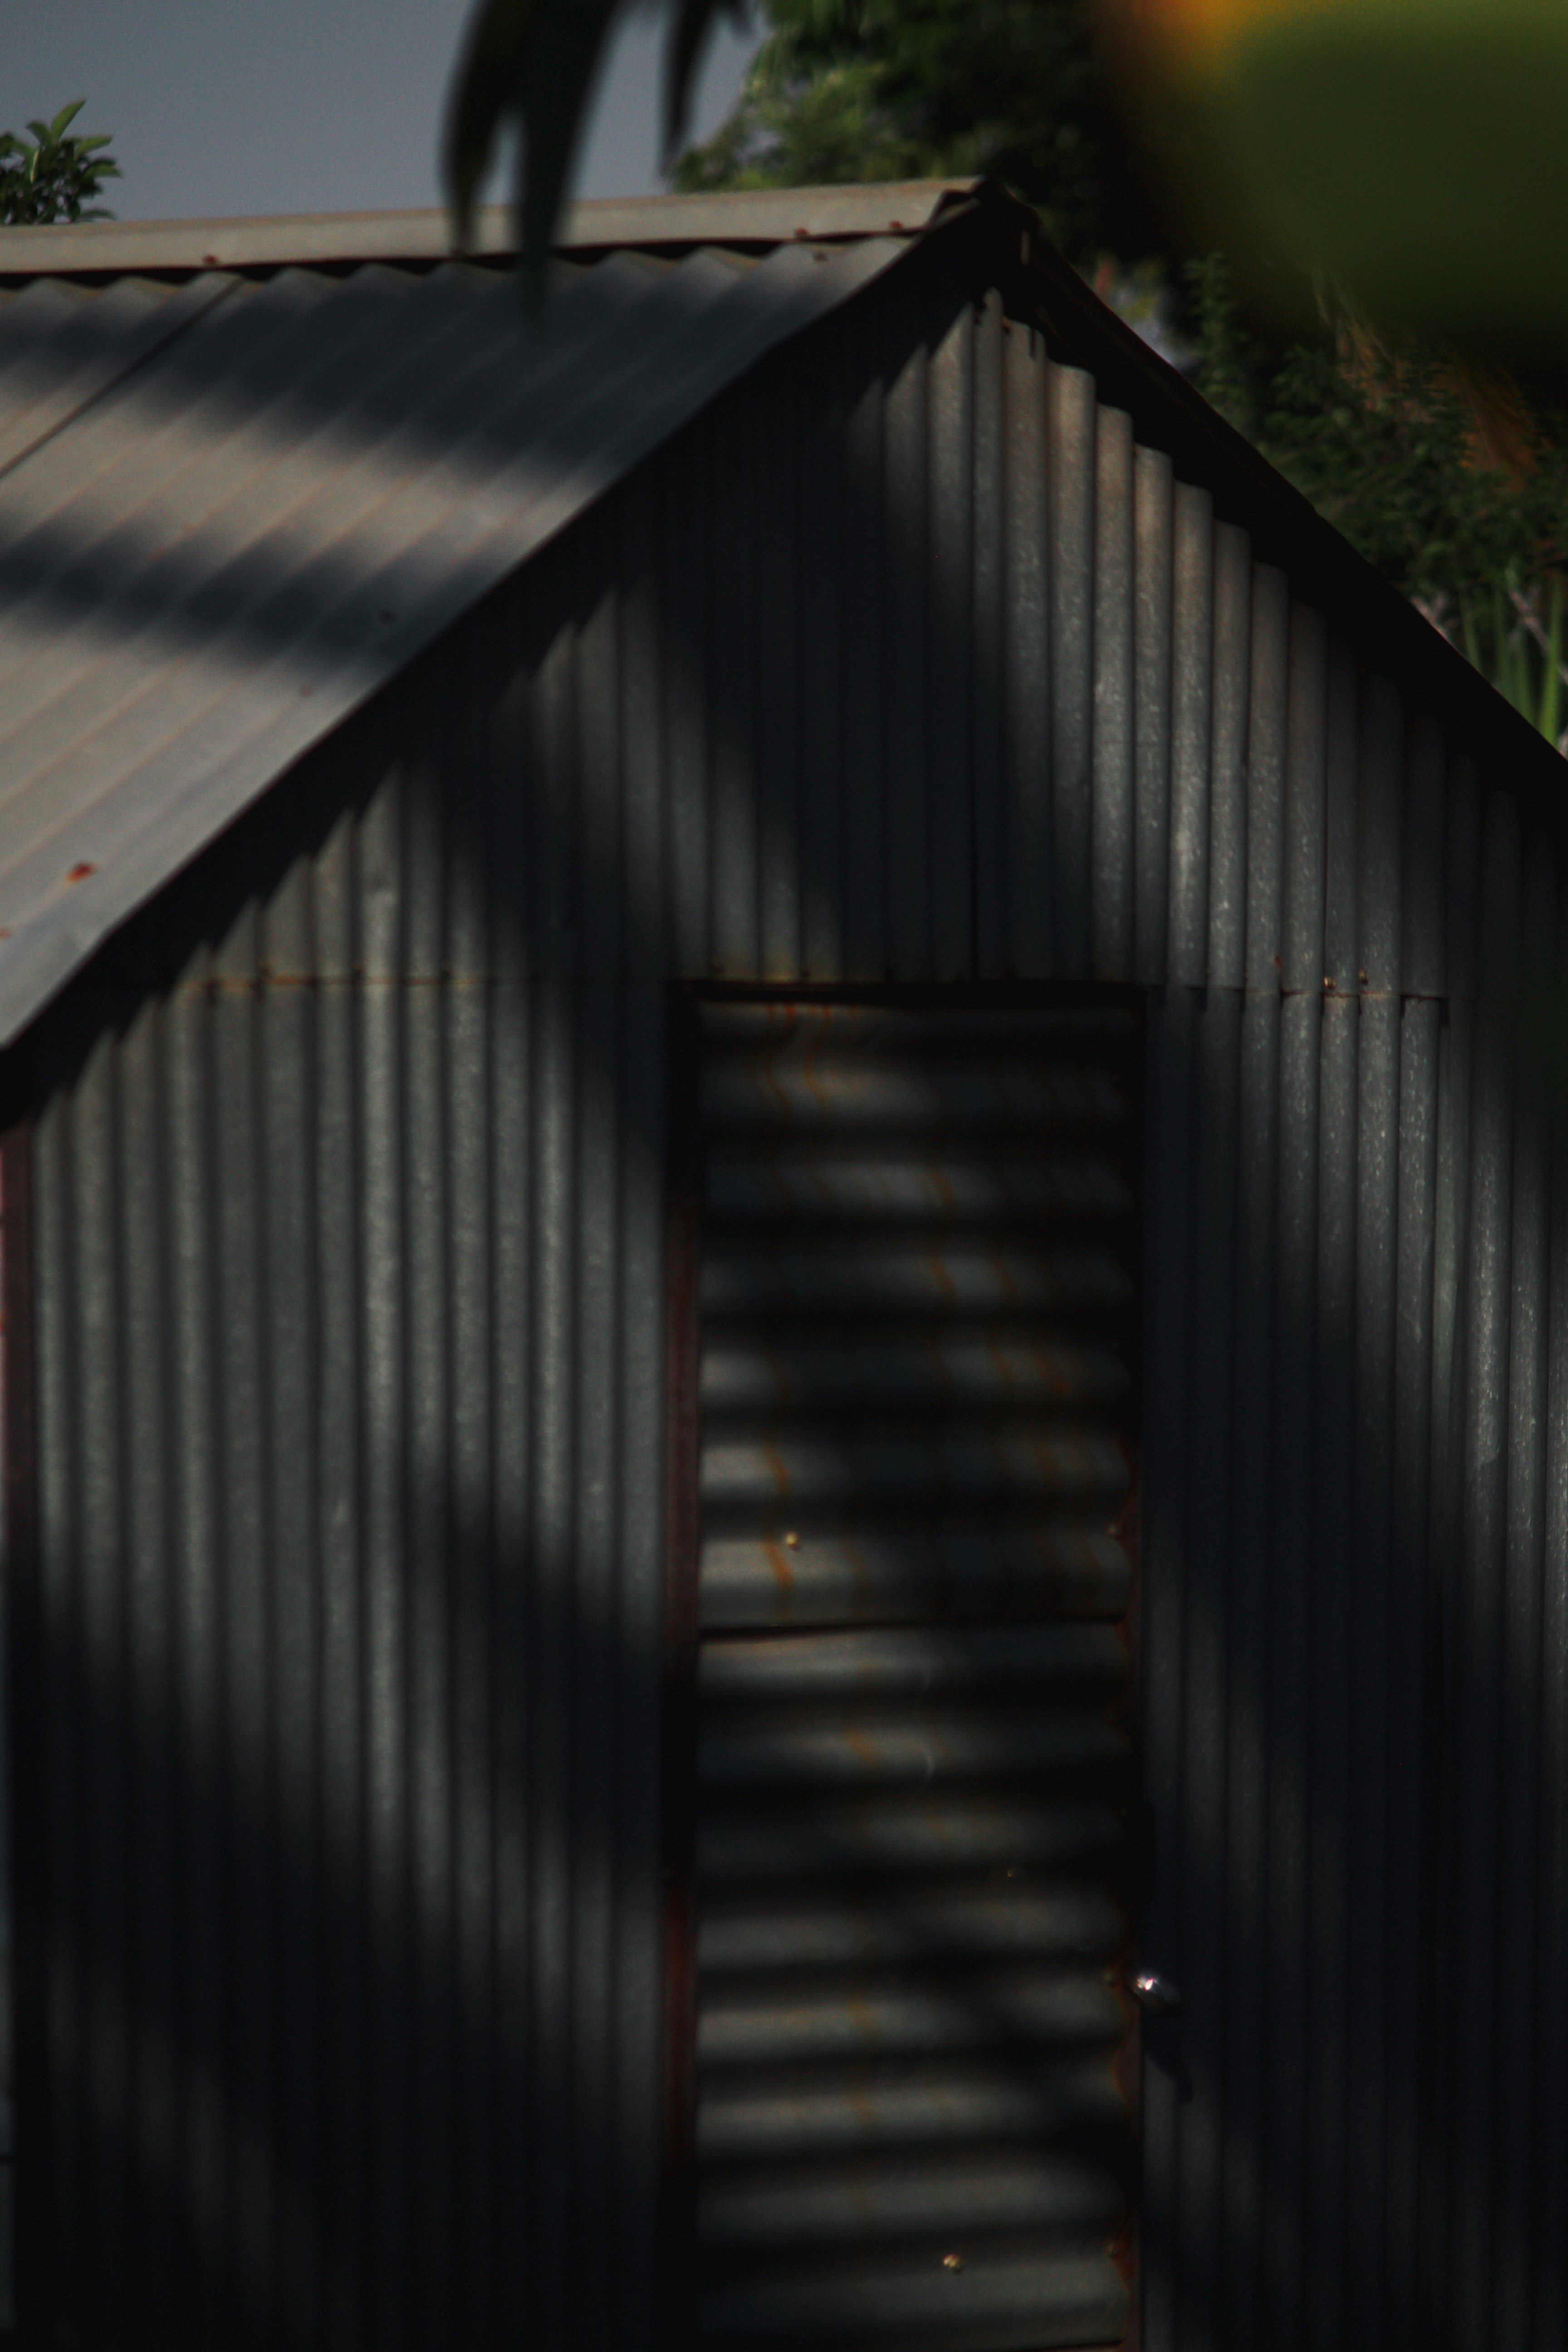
(253, 735)
(750, 216)
(1286, 531)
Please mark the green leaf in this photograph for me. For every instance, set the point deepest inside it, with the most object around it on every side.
(54, 175)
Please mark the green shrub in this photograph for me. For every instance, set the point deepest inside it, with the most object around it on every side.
(53, 177)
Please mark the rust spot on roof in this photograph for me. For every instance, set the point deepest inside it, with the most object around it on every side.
(79, 872)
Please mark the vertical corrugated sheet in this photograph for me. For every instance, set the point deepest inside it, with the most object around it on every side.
(1354, 1752)
(904, 663)
(349, 1328)
(915, 1776)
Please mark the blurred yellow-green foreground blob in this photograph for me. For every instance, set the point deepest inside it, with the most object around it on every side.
(1416, 150)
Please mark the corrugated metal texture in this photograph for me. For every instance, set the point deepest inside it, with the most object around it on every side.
(913, 1834)
(348, 1294)
(834, 688)
(1202, 789)
(61, 349)
(853, 615)
(744, 216)
(233, 511)
(1352, 1652)
(1001, 734)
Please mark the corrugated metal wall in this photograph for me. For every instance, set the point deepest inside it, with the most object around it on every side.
(1354, 1526)
(904, 663)
(917, 1817)
(348, 1270)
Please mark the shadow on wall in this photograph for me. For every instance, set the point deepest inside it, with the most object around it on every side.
(343, 1857)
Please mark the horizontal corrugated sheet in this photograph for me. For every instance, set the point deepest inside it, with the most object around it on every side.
(750, 217)
(914, 1773)
(233, 511)
(907, 660)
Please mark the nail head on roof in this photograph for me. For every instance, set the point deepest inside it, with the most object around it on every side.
(80, 871)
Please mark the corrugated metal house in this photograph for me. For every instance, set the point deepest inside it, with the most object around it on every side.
(786, 1351)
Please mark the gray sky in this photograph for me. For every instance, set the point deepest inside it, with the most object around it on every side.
(304, 106)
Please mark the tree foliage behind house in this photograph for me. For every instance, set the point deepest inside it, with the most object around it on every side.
(891, 89)
(1449, 479)
(1453, 485)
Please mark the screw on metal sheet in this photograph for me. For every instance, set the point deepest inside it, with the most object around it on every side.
(1362, 978)
(792, 1540)
(1328, 980)
(952, 2261)
(1157, 1994)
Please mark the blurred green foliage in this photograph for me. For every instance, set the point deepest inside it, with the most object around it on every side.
(1412, 149)
(527, 67)
(1446, 479)
(1443, 477)
(56, 174)
(893, 90)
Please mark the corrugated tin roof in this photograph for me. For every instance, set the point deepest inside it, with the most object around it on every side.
(752, 217)
(231, 509)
